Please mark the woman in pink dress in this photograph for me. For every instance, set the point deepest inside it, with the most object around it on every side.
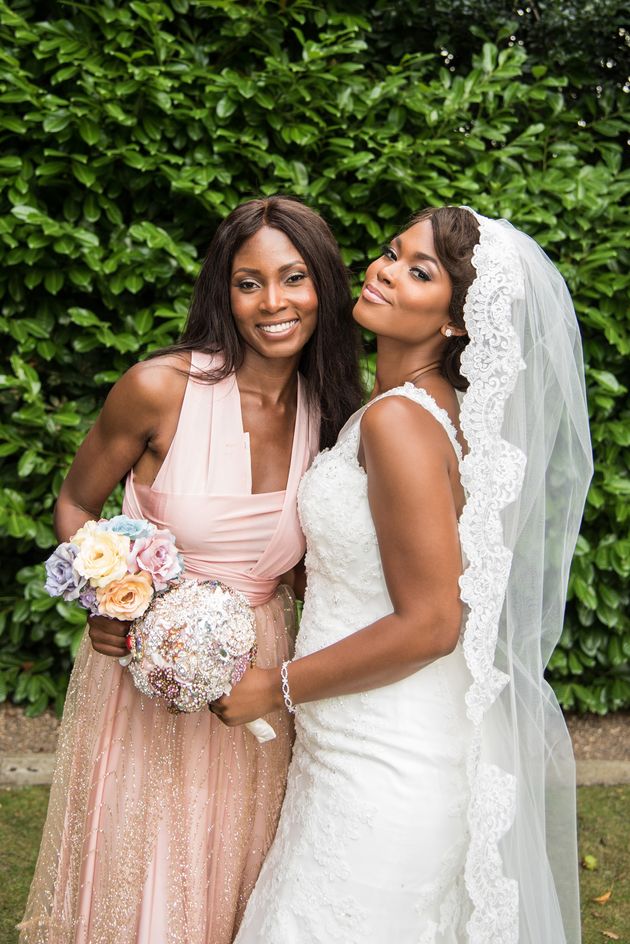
(158, 823)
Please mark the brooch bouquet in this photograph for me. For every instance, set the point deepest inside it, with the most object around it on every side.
(189, 642)
(192, 645)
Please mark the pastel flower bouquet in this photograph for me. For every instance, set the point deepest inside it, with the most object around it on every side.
(189, 641)
(113, 567)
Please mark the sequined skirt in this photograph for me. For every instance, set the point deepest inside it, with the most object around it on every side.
(157, 824)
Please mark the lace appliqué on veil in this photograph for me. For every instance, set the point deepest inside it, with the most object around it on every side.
(492, 474)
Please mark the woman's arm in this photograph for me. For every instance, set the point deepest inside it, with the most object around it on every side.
(124, 430)
(120, 435)
(411, 470)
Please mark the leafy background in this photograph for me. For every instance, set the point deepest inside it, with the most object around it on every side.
(129, 130)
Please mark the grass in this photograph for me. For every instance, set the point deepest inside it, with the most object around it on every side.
(604, 830)
(604, 822)
(22, 813)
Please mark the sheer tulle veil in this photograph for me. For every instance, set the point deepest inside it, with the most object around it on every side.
(526, 475)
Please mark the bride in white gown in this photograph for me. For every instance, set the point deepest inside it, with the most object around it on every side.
(430, 795)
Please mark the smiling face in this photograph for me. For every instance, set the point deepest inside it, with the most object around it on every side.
(407, 292)
(272, 295)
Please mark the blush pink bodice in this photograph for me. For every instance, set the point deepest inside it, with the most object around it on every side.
(203, 491)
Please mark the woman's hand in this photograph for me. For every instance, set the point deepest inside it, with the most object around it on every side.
(108, 636)
(258, 693)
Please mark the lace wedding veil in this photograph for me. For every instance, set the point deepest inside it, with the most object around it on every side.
(525, 419)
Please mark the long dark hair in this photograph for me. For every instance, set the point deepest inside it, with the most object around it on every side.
(455, 235)
(329, 361)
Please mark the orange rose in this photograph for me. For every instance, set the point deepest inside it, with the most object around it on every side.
(126, 599)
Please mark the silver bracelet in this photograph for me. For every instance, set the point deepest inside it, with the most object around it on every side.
(286, 691)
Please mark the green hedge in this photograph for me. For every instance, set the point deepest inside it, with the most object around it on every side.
(129, 130)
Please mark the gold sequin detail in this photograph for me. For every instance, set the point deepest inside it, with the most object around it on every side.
(158, 823)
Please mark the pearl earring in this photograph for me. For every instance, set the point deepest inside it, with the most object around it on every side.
(448, 333)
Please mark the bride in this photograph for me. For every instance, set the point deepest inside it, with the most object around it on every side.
(431, 792)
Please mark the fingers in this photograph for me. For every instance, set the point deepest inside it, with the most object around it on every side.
(108, 636)
(216, 707)
(116, 652)
(220, 709)
(110, 627)
(108, 647)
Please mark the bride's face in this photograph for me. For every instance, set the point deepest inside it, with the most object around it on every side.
(407, 291)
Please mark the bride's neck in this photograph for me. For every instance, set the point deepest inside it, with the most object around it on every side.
(397, 363)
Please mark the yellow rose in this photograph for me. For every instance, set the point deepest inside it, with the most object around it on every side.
(126, 599)
(88, 530)
(102, 557)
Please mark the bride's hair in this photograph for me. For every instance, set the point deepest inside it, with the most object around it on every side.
(455, 235)
(329, 361)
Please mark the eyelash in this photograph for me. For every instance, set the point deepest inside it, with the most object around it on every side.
(249, 284)
(390, 253)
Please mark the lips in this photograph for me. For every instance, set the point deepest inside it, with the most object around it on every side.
(372, 294)
(279, 327)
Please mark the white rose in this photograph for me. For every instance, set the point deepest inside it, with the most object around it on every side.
(102, 557)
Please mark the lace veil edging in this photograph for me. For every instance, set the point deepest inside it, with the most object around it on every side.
(526, 476)
(492, 475)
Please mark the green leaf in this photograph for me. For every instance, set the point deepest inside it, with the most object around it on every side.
(10, 164)
(83, 317)
(608, 382)
(38, 706)
(89, 131)
(226, 106)
(84, 174)
(53, 281)
(57, 122)
(133, 282)
(27, 463)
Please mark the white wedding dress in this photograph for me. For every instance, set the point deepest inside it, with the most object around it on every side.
(372, 837)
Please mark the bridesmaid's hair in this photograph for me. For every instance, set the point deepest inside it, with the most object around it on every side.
(330, 360)
(455, 235)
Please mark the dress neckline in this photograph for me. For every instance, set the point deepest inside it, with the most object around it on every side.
(294, 437)
(301, 418)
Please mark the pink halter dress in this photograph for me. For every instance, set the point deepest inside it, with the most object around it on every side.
(158, 824)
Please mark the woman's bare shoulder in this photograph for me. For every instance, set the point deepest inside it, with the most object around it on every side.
(395, 424)
(394, 419)
(164, 374)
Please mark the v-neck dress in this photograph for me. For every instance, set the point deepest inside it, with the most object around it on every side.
(158, 824)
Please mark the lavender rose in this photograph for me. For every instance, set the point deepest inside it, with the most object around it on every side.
(62, 580)
(88, 600)
(133, 528)
(158, 556)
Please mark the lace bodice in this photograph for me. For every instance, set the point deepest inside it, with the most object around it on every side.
(343, 560)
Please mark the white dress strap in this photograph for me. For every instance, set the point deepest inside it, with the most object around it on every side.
(351, 431)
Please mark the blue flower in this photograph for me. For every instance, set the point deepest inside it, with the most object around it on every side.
(133, 528)
(62, 580)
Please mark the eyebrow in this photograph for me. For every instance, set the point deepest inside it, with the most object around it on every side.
(420, 255)
(289, 265)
